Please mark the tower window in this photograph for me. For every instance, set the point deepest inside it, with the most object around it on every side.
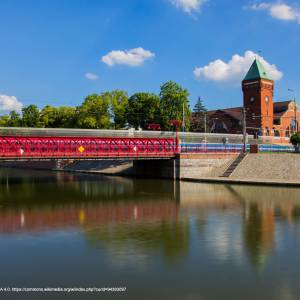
(277, 121)
(252, 99)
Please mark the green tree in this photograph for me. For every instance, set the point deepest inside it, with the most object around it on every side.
(199, 117)
(31, 116)
(94, 112)
(174, 104)
(4, 120)
(48, 116)
(118, 104)
(295, 140)
(66, 117)
(142, 109)
(14, 119)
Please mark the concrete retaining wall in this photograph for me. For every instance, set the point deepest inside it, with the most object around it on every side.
(280, 166)
(184, 166)
(204, 165)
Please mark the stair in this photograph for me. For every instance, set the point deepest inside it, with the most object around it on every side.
(234, 165)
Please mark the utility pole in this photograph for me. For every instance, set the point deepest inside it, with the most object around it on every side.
(205, 120)
(295, 111)
(244, 131)
(183, 123)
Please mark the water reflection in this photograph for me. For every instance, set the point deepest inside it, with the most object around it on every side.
(135, 223)
(117, 212)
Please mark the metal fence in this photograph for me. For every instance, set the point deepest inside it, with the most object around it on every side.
(230, 148)
(190, 142)
(185, 137)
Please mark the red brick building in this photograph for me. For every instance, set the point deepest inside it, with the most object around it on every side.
(263, 116)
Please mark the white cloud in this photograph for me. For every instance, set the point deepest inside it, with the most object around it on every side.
(91, 76)
(133, 57)
(235, 69)
(9, 103)
(280, 11)
(188, 6)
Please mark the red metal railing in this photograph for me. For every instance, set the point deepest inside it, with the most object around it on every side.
(23, 147)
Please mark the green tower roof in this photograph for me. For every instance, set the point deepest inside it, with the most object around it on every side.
(257, 71)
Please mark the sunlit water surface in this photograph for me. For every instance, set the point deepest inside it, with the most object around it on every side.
(159, 239)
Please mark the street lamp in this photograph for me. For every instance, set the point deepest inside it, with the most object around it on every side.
(244, 131)
(295, 110)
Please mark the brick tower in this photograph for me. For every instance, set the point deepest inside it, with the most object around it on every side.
(258, 100)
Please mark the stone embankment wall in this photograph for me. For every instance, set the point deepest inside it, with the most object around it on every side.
(194, 166)
(197, 166)
(257, 167)
(280, 166)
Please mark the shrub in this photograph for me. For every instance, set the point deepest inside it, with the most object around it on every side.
(295, 139)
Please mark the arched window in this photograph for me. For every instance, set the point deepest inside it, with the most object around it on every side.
(287, 132)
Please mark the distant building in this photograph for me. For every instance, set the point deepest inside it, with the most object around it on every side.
(263, 117)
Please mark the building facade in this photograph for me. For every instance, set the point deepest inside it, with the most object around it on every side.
(263, 116)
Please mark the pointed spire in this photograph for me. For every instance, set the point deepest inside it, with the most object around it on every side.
(257, 71)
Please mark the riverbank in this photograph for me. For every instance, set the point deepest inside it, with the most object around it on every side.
(245, 181)
(281, 169)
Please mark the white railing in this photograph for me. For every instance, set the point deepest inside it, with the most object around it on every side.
(185, 137)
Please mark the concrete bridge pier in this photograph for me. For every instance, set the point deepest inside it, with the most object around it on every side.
(157, 168)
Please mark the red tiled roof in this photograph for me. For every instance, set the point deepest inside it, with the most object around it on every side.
(281, 106)
(237, 112)
(234, 112)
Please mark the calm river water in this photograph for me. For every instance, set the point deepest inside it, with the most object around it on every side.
(159, 239)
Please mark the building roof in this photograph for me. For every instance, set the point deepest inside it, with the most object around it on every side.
(234, 112)
(281, 106)
(237, 112)
(257, 71)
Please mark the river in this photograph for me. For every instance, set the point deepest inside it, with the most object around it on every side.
(158, 238)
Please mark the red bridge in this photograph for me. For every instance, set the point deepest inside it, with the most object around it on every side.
(81, 147)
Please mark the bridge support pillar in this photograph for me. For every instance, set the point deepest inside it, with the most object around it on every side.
(169, 169)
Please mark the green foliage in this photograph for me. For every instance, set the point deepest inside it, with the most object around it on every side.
(295, 139)
(14, 119)
(118, 101)
(31, 116)
(111, 109)
(66, 117)
(48, 116)
(61, 117)
(174, 103)
(199, 106)
(143, 109)
(199, 117)
(94, 112)
(4, 121)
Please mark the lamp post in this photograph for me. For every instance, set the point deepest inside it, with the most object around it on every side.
(176, 124)
(295, 110)
(244, 131)
(183, 123)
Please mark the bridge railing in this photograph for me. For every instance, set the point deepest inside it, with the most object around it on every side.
(185, 137)
(21, 147)
(227, 148)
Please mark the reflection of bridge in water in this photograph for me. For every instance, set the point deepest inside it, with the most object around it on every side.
(137, 211)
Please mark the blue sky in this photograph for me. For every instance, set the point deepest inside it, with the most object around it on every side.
(58, 51)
